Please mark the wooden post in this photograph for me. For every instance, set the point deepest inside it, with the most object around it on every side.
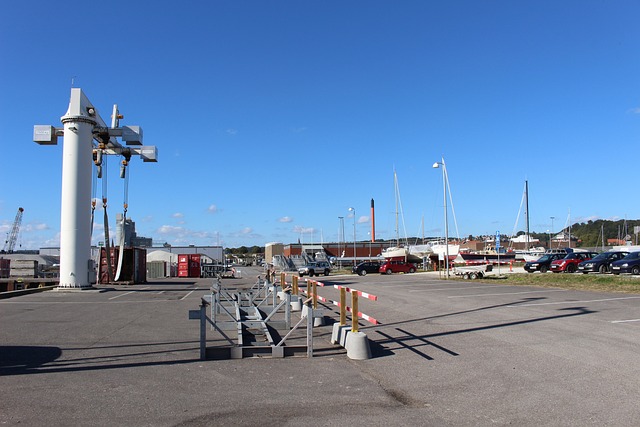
(314, 286)
(343, 306)
(294, 279)
(354, 311)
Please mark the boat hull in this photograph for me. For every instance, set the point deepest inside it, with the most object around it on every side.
(401, 253)
(480, 258)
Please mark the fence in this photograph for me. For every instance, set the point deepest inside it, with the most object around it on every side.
(352, 339)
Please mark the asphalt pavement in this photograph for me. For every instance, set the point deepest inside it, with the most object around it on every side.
(446, 353)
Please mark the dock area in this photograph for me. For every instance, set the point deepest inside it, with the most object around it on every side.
(457, 352)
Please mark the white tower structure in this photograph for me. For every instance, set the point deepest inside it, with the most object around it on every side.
(83, 125)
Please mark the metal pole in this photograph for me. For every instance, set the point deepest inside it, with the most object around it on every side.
(203, 331)
(446, 219)
(354, 238)
(309, 331)
(340, 238)
(354, 235)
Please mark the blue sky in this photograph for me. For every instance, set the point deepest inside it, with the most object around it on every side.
(272, 118)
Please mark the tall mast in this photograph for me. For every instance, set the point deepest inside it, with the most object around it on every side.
(395, 184)
(526, 210)
(373, 222)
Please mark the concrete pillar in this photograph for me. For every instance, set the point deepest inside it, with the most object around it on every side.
(75, 212)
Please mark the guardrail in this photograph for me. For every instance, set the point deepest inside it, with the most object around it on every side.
(351, 338)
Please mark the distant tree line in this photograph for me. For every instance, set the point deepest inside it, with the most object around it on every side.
(243, 250)
(592, 233)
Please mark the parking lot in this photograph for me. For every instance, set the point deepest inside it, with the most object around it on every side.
(447, 352)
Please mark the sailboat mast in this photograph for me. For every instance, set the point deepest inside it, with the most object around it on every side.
(395, 184)
(526, 211)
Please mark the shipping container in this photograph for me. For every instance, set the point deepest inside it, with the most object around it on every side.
(5, 268)
(189, 265)
(24, 268)
(134, 266)
(156, 269)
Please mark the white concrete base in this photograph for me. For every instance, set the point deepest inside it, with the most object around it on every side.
(339, 334)
(296, 303)
(357, 345)
(78, 289)
(318, 315)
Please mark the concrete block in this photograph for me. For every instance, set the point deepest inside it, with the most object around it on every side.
(357, 345)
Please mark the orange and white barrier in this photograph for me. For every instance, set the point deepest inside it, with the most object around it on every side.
(351, 338)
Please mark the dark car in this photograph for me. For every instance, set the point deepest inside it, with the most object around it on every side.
(542, 264)
(628, 264)
(390, 267)
(569, 263)
(602, 262)
(366, 267)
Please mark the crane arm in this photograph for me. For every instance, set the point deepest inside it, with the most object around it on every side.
(10, 243)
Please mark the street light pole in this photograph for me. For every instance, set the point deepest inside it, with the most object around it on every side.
(354, 235)
(436, 165)
(340, 238)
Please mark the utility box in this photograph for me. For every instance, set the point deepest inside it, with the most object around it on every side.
(45, 135)
(149, 153)
(156, 269)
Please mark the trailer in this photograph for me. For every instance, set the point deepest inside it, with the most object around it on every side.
(473, 272)
(215, 270)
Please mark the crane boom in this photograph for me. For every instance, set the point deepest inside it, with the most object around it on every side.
(10, 243)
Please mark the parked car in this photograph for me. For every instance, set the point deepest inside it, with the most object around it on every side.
(315, 269)
(628, 264)
(543, 263)
(390, 267)
(366, 267)
(570, 262)
(602, 262)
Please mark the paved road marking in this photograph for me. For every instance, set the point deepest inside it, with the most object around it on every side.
(127, 293)
(625, 321)
(510, 293)
(574, 302)
(187, 294)
(458, 288)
